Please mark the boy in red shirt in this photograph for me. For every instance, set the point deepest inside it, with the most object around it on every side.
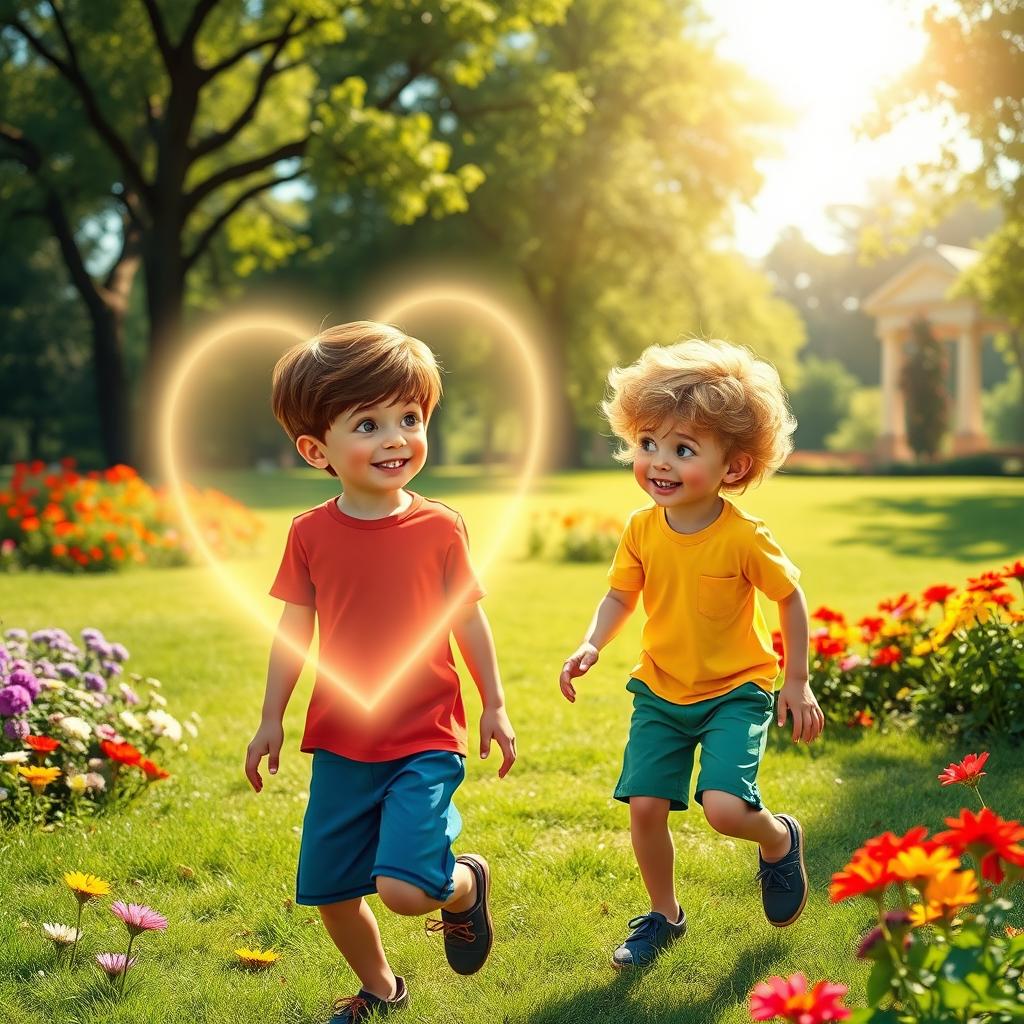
(387, 574)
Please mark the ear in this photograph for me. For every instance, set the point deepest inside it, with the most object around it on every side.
(738, 468)
(312, 451)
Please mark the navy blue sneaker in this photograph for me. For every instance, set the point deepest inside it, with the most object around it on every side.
(784, 882)
(468, 934)
(355, 1008)
(650, 934)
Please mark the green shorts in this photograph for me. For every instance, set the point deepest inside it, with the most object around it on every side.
(732, 732)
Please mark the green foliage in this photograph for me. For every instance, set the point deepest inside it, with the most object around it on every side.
(923, 381)
(820, 401)
(858, 432)
(1004, 410)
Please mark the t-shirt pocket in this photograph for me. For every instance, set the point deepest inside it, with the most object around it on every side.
(718, 597)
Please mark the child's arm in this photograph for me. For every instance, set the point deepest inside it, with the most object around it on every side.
(611, 615)
(296, 625)
(795, 695)
(476, 642)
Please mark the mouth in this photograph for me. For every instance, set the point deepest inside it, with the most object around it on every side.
(665, 486)
(391, 465)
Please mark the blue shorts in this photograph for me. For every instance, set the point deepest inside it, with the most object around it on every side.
(370, 818)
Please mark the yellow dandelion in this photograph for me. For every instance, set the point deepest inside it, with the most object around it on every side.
(37, 777)
(86, 887)
(257, 959)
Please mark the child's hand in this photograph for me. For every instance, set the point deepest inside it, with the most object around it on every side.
(579, 664)
(266, 743)
(808, 719)
(494, 725)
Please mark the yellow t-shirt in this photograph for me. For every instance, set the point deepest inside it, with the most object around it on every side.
(705, 633)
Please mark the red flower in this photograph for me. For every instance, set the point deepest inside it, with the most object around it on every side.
(1003, 599)
(887, 656)
(886, 846)
(967, 771)
(824, 614)
(123, 753)
(42, 744)
(778, 647)
(863, 718)
(827, 647)
(937, 594)
(896, 606)
(870, 627)
(988, 838)
(153, 771)
(1015, 571)
(987, 581)
(863, 876)
(789, 998)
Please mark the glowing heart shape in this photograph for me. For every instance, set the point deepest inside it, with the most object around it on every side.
(448, 297)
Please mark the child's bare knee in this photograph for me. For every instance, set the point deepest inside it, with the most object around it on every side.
(723, 811)
(648, 811)
(403, 897)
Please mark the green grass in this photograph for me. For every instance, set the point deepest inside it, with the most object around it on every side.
(565, 881)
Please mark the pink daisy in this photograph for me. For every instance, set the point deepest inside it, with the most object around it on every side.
(138, 918)
(115, 964)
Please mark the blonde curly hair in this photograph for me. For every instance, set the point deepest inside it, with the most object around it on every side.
(719, 388)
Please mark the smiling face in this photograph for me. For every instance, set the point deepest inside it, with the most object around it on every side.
(678, 465)
(374, 450)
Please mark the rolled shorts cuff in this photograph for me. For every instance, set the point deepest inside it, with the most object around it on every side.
(420, 881)
(747, 797)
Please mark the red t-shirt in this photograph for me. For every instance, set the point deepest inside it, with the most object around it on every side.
(378, 586)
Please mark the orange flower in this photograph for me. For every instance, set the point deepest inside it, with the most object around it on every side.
(863, 876)
(153, 771)
(122, 753)
(922, 864)
(863, 718)
(30, 525)
(1015, 571)
(937, 594)
(991, 840)
(42, 744)
(987, 581)
(887, 656)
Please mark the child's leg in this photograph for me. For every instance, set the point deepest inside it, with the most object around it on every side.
(732, 816)
(353, 929)
(655, 854)
(410, 900)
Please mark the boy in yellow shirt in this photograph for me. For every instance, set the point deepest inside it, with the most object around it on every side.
(697, 419)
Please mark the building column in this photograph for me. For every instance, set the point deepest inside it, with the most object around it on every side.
(892, 443)
(969, 433)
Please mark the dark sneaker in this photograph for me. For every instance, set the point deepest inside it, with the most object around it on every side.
(358, 1007)
(468, 934)
(650, 934)
(784, 882)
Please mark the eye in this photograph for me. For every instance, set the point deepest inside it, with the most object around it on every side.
(682, 449)
(365, 426)
(647, 444)
(410, 419)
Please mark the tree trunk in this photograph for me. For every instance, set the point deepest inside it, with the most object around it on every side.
(564, 448)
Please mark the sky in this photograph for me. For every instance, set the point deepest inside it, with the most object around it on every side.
(825, 59)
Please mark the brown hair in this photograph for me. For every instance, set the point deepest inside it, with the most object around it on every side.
(348, 367)
(722, 389)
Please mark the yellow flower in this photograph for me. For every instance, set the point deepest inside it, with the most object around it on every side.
(38, 778)
(922, 865)
(86, 887)
(924, 647)
(257, 959)
(78, 784)
(952, 891)
(921, 914)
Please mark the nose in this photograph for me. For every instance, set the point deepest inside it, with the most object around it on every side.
(395, 439)
(660, 460)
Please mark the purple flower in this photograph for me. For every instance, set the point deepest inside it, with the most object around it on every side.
(16, 729)
(44, 667)
(20, 663)
(112, 668)
(94, 681)
(16, 634)
(24, 678)
(105, 731)
(128, 695)
(115, 964)
(91, 633)
(68, 671)
(119, 652)
(14, 700)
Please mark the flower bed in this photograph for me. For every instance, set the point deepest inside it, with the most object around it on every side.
(77, 734)
(941, 949)
(578, 536)
(948, 660)
(95, 522)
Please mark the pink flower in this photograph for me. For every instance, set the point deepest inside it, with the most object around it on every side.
(789, 998)
(138, 918)
(115, 964)
(853, 661)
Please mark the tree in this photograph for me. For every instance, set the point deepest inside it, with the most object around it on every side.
(156, 123)
(614, 144)
(923, 382)
(971, 74)
(820, 401)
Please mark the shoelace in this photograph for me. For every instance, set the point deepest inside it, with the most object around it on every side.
(354, 1004)
(462, 931)
(775, 876)
(642, 927)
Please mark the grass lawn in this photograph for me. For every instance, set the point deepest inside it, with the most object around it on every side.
(565, 882)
